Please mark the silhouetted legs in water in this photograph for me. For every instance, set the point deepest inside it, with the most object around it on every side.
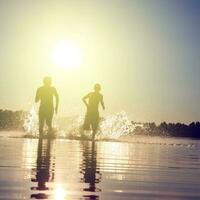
(45, 117)
(91, 121)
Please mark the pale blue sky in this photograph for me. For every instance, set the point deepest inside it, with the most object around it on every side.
(145, 53)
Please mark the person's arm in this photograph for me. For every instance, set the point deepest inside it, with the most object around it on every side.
(102, 103)
(37, 96)
(57, 100)
(85, 99)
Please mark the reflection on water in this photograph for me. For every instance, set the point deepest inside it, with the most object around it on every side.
(60, 193)
(44, 170)
(91, 173)
(68, 170)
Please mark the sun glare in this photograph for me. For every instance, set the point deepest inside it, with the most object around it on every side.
(60, 193)
(67, 55)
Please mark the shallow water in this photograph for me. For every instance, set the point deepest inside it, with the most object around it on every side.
(152, 168)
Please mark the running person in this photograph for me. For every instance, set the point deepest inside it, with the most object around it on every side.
(92, 101)
(45, 95)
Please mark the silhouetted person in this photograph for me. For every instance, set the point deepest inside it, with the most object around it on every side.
(90, 170)
(92, 101)
(44, 173)
(45, 95)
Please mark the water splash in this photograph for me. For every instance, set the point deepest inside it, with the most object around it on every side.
(69, 126)
(112, 126)
(115, 126)
(31, 123)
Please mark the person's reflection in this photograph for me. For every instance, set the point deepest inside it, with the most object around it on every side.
(90, 171)
(44, 173)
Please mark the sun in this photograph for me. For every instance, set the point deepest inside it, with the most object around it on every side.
(67, 55)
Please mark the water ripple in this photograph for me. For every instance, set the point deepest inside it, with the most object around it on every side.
(66, 169)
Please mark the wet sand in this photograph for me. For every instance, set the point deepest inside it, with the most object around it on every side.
(66, 169)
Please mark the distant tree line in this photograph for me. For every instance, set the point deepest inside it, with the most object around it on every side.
(11, 119)
(14, 120)
(169, 129)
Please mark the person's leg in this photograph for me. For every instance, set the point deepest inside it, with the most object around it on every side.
(94, 130)
(86, 124)
(95, 125)
(49, 124)
(41, 125)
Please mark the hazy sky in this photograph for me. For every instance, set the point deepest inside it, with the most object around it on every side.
(145, 53)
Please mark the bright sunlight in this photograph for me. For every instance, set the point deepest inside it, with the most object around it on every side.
(59, 193)
(67, 55)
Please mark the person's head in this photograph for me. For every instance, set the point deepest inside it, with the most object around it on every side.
(97, 87)
(47, 81)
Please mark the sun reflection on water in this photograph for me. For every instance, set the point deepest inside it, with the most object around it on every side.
(60, 193)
